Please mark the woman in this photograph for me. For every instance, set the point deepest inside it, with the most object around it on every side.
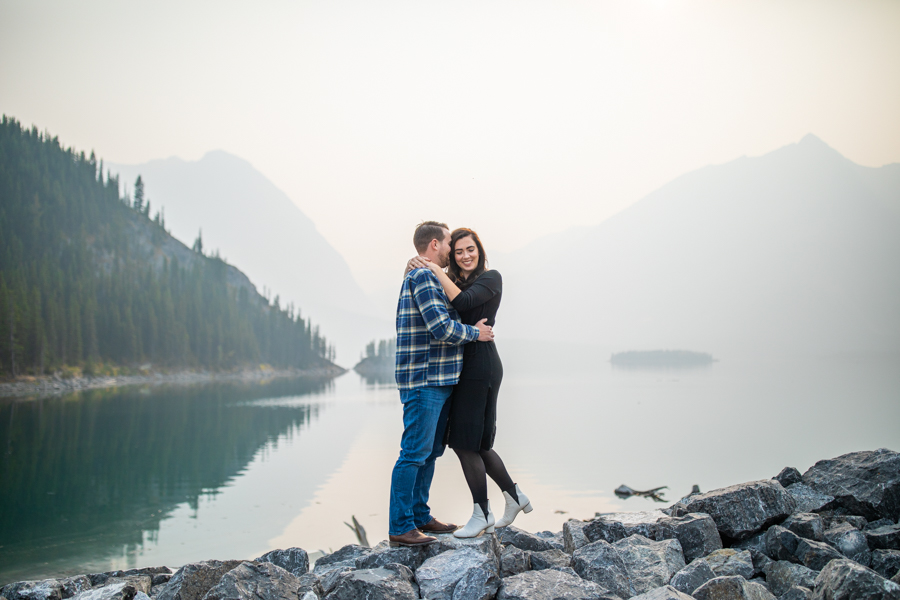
(475, 293)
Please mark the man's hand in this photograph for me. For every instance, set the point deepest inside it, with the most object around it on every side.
(485, 332)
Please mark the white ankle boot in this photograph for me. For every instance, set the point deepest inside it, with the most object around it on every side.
(477, 523)
(513, 507)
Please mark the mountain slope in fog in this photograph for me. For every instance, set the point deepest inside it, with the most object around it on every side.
(793, 251)
(254, 224)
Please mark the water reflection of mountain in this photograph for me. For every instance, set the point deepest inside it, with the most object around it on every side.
(83, 476)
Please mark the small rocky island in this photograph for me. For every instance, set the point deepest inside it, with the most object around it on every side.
(829, 534)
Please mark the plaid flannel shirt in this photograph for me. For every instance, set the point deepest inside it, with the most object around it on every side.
(430, 337)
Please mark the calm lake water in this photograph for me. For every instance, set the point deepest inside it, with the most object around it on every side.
(136, 477)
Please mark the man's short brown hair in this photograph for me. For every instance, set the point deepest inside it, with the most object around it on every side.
(427, 231)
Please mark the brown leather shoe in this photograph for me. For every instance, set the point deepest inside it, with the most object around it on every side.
(411, 538)
(435, 526)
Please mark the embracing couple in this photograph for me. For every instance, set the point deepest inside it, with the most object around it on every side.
(449, 373)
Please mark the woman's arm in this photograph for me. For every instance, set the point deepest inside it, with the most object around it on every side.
(450, 288)
(485, 287)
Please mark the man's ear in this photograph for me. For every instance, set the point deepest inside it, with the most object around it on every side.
(435, 245)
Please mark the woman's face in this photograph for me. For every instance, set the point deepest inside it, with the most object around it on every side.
(465, 253)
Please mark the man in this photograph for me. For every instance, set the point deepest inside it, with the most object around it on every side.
(430, 340)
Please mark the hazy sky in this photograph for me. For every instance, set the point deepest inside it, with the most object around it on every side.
(517, 118)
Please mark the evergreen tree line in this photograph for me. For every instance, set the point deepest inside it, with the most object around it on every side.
(87, 277)
(382, 350)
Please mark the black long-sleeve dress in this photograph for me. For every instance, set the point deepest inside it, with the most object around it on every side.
(473, 412)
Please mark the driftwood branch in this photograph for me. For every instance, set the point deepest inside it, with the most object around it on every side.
(359, 530)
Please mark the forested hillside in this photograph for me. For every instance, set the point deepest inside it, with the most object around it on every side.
(89, 279)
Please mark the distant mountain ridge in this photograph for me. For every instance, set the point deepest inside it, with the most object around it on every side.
(256, 225)
(793, 251)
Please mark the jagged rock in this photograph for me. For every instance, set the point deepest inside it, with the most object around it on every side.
(781, 575)
(846, 580)
(787, 476)
(555, 538)
(551, 585)
(649, 564)
(568, 570)
(808, 525)
(47, 589)
(808, 499)
(816, 555)
(157, 575)
(487, 544)
(742, 510)
(760, 562)
(692, 576)
(886, 537)
(728, 561)
(410, 556)
(478, 584)
(514, 536)
(293, 560)
(193, 580)
(796, 592)
(117, 589)
(732, 588)
(896, 578)
(850, 542)
(549, 559)
(601, 563)
(140, 583)
(761, 580)
(753, 543)
(878, 523)
(573, 535)
(310, 584)
(345, 557)
(255, 581)
(697, 534)
(391, 582)
(618, 526)
(514, 561)
(666, 592)
(886, 562)
(855, 520)
(333, 577)
(781, 544)
(865, 483)
(439, 575)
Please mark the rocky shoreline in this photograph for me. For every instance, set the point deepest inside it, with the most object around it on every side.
(831, 533)
(56, 384)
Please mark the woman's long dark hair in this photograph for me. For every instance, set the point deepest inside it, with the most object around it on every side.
(454, 271)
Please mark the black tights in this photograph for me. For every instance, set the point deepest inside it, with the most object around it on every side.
(476, 465)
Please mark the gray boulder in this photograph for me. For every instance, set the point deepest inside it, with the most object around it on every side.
(115, 589)
(157, 575)
(781, 544)
(886, 537)
(514, 536)
(816, 555)
(855, 520)
(649, 564)
(391, 582)
(697, 534)
(807, 499)
(410, 556)
(549, 559)
(850, 542)
(332, 578)
(864, 483)
(345, 557)
(551, 585)
(486, 544)
(666, 592)
(255, 581)
(140, 583)
(438, 576)
(796, 592)
(846, 580)
(788, 476)
(514, 561)
(878, 523)
(555, 538)
(692, 576)
(481, 583)
(293, 560)
(753, 543)
(618, 526)
(601, 563)
(781, 575)
(886, 562)
(310, 584)
(732, 588)
(573, 535)
(808, 525)
(47, 589)
(728, 562)
(193, 580)
(742, 510)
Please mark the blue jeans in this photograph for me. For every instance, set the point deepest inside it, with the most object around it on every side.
(425, 412)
